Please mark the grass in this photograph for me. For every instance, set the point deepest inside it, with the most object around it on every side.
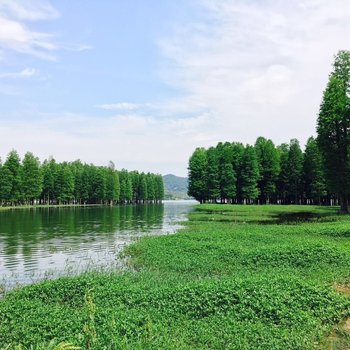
(236, 277)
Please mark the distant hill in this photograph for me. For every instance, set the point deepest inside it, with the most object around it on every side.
(175, 187)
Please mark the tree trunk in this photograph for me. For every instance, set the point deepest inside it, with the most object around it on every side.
(343, 204)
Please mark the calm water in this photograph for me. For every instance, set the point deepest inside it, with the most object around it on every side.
(47, 243)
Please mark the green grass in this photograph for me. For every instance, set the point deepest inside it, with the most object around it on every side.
(236, 277)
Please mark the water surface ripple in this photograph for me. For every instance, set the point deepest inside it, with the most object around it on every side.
(49, 242)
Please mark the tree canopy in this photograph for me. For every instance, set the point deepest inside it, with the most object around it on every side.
(31, 182)
(263, 173)
(333, 126)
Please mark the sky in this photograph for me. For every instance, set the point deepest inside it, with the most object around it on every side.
(144, 82)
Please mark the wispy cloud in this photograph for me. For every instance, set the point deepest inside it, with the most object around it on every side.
(259, 67)
(32, 10)
(16, 36)
(120, 106)
(25, 73)
(152, 144)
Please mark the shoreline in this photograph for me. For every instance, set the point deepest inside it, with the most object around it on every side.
(233, 275)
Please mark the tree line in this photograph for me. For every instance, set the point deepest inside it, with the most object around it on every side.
(28, 182)
(263, 173)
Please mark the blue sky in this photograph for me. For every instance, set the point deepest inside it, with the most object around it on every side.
(142, 83)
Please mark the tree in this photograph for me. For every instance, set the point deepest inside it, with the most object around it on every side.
(112, 185)
(159, 188)
(237, 155)
(314, 183)
(126, 189)
(13, 164)
(212, 174)
(64, 183)
(268, 168)
(197, 183)
(5, 184)
(282, 179)
(249, 174)
(32, 181)
(333, 126)
(49, 170)
(295, 170)
(227, 175)
(151, 187)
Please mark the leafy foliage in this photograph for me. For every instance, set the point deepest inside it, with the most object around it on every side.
(237, 277)
(333, 126)
(29, 182)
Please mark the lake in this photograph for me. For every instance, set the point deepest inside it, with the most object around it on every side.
(44, 243)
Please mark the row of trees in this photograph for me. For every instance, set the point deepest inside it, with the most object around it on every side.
(263, 173)
(284, 174)
(29, 181)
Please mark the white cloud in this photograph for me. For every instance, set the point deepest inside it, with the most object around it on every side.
(16, 36)
(243, 69)
(131, 141)
(25, 73)
(32, 10)
(258, 67)
(120, 106)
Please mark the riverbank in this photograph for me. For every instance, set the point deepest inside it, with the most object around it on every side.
(236, 277)
(71, 205)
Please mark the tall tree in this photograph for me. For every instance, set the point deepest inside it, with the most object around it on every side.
(295, 170)
(159, 188)
(212, 174)
(282, 179)
(197, 166)
(269, 168)
(227, 175)
(49, 169)
(112, 185)
(64, 183)
(237, 155)
(249, 174)
(314, 183)
(13, 164)
(5, 185)
(31, 178)
(333, 126)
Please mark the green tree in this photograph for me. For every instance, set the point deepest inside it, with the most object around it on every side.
(159, 187)
(32, 180)
(112, 185)
(269, 168)
(143, 187)
(282, 179)
(227, 174)
(49, 169)
(98, 185)
(126, 189)
(295, 170)
(5, 184)
(77, 170)
(151, 187)
(249, 170)
(314, 182)
(212, 174)
(197, 182)
(64, 183)
(333, 127)
(237, 155)
(13, 164)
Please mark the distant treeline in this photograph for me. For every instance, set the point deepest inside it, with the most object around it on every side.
(29, 181)
(263, 173)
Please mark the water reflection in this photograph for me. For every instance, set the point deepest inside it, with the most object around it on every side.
(35, 243)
